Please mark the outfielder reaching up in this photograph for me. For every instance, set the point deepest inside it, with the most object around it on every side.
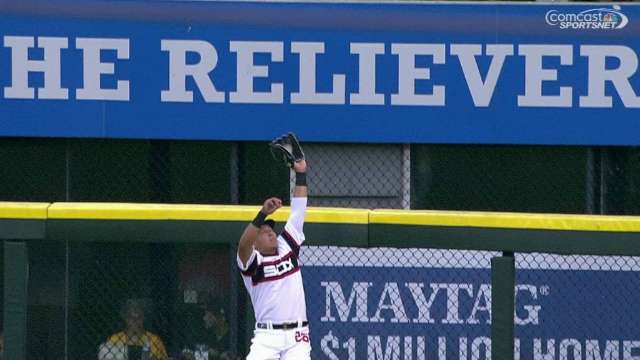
(271, 273)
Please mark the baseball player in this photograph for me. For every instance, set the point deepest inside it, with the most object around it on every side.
(271, 272)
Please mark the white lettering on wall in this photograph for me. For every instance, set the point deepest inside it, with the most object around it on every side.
(366, 94)
(21, 66)
(391, 300)
(179, 70)
(570, 346)
(307, 93)
(544, 354)
(357, 297)
(421, 301)
(453, 301)
(408, 73)
(611, 350)
(482, 303)
(598, 75)
(247, 72)
(628, 347)
(376, 350)
(481, 91)
(535, 74)
(370, 79)
(94, 68)
(532, 311)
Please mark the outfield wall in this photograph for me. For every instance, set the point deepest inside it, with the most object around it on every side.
(379, 283)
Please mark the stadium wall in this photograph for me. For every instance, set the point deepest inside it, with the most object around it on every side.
(27, 226)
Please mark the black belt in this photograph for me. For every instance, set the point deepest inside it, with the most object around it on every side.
(284, 326)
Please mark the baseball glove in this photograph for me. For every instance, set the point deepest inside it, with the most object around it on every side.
(287, 148)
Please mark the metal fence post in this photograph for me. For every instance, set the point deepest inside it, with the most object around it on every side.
(15, 299)
(502, 306)
(233, 303)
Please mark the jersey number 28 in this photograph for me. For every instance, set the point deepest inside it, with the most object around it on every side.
(302, 337)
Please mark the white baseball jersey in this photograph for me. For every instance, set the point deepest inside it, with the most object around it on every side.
(274, 282)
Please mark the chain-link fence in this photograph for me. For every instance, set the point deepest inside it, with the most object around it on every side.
(102, 300)
(577, 307)
(122, 299)
(386, 303)
(548, 179)
(379, 303)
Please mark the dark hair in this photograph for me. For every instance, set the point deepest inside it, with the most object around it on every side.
(132, 304)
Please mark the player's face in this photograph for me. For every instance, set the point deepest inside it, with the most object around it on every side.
(267, 242)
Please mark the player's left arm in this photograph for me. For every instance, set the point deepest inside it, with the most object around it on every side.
(295, 222)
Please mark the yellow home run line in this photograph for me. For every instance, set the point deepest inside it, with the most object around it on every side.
(125, 211)
(120, 211)
(507, 220)
(23, 210)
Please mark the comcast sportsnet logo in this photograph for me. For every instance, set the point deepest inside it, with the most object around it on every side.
(601, 18)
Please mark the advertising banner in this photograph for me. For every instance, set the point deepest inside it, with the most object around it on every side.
(436, 305)
(331, 72)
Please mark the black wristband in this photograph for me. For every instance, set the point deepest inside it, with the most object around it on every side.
(259, 219)
(301, 179)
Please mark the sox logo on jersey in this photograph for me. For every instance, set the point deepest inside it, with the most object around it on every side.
(278, 269)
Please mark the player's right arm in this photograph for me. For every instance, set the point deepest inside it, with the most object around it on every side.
(250, 234)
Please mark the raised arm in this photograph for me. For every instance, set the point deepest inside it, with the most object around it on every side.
(250, 234)
(300, 168)
(299, 200)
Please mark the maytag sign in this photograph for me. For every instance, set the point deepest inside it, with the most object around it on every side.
(438, 73)
(399, 304)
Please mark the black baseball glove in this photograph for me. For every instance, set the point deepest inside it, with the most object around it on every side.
(287, 148)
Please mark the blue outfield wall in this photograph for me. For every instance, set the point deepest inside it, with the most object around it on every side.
(405, 72)
(435, 304)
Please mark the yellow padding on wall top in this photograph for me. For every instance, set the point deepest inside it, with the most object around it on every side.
(124, 211)
(23, 210)
(507, 220)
